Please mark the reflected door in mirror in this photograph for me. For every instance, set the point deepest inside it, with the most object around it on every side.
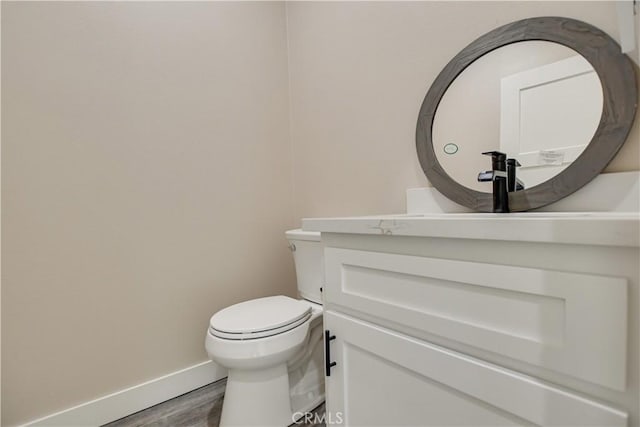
(548, 115)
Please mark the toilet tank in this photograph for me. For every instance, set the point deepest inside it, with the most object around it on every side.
(309, 260)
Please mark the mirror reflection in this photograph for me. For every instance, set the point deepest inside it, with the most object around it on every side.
(536, 101)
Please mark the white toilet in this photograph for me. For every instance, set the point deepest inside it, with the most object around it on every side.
(272, 347)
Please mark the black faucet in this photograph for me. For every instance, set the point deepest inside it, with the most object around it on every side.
(498, 175)
(503, 176)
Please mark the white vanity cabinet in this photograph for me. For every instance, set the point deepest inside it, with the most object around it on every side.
(433, 331)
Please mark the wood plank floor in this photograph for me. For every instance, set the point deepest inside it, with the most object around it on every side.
(199, 408)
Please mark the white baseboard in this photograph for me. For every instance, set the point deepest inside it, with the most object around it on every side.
(133, 399)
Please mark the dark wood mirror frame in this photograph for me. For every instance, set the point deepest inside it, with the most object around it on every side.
(620, 99)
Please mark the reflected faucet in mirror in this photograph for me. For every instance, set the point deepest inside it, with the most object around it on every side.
(503, 176)
(513, 182)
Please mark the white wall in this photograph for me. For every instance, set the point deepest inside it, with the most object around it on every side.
(146, 183)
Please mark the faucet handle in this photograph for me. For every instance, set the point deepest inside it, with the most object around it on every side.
(498, 154)
(498, 160)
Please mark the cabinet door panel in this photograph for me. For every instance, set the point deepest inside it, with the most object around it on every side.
(571, 323)
(382, 377)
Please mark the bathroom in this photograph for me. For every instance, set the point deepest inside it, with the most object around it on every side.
(155, 153)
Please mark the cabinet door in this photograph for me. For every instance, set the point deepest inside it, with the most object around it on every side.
(382, 377)
(571, 323)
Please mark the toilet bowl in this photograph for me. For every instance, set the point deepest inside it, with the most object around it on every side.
(272, 347)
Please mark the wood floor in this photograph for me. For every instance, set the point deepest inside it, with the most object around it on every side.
(199, 408)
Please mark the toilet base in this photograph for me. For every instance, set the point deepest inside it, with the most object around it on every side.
(257, 398)
(306, 380)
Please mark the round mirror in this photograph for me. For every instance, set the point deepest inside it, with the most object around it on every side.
(536, 101)
(553, 93)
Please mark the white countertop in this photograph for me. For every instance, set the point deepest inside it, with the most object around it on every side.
(589, 228)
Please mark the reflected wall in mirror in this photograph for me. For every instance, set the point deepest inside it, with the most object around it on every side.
(554, 93)
(537, 101)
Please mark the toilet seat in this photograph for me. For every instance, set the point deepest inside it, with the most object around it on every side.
(259, 318)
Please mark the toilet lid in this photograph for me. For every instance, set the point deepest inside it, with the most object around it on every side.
(260, 315)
